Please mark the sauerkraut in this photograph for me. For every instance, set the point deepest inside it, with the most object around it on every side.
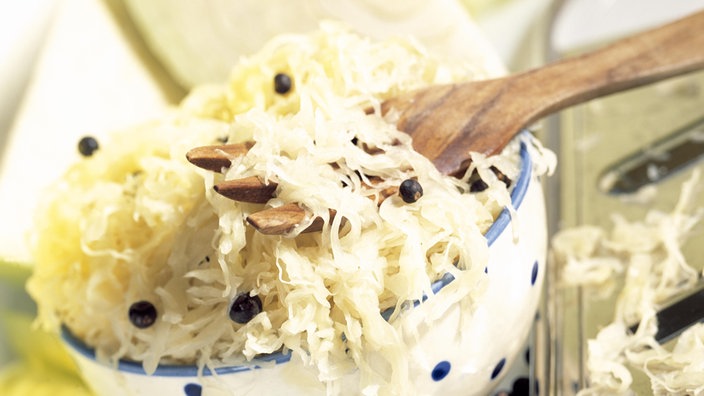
(647, 255)
(136, 222)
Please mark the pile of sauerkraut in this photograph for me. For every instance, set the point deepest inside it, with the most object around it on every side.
(136, 222)
(647, 255)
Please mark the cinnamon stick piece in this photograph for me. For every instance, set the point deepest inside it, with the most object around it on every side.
(283, 219)
(251, 189)
(216, 158)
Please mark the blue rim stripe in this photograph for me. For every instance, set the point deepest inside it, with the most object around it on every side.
(167, 370)
(517, 195)
(172, 370)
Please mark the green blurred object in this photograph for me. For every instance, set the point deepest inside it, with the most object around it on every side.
(15, 274)
(12, 298)
(42, 366)
(32, 362)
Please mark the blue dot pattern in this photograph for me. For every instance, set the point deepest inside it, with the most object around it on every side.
(441, 370)
(498, 368)
(534, 274)
(193, 390)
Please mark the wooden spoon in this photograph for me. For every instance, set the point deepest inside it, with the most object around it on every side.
(447, 122)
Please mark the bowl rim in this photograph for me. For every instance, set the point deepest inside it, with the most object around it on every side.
(267, 360)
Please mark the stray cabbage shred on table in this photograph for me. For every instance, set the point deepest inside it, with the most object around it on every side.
(647, 254)
(136, 221)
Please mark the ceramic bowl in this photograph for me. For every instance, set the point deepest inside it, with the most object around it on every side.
(451, 357)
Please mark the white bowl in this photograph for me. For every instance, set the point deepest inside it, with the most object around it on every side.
(446, 363)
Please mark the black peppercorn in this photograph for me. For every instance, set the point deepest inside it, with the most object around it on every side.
(478, 185)
(282, 83)
(410, 190)
(87, 146)
(142, 314)
(245, 307)
(501, 176)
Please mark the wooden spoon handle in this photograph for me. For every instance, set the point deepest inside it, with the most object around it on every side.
(655, 55)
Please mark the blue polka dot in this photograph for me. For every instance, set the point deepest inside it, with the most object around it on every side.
(534, 274)
(486, 270)
(441, 370)
(498, 368)
(193, 390)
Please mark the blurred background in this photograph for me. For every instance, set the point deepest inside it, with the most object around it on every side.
(75, 67)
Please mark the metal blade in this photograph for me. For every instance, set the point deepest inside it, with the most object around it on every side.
(677, 317)
(656, 162)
